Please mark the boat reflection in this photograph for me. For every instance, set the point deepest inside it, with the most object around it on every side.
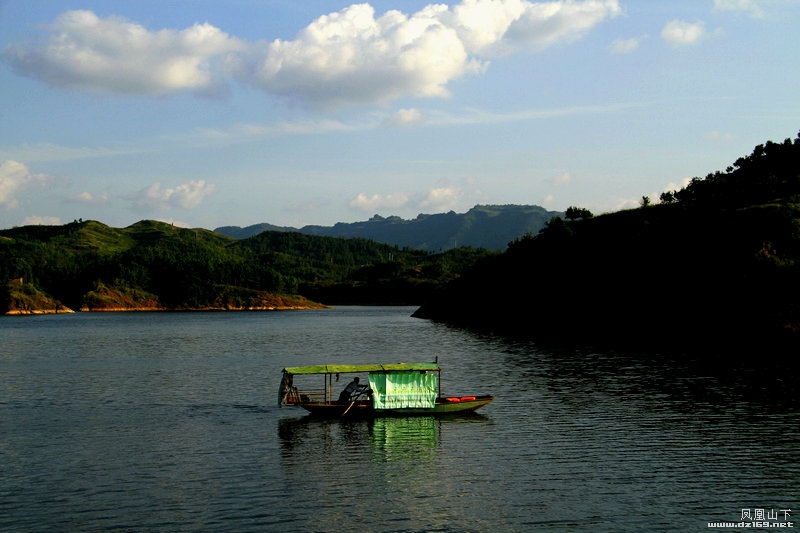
(386, 439)
(393, 439)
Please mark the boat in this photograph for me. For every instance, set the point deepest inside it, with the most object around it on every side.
(398, 389)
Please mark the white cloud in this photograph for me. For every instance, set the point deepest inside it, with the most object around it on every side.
(481, 24)
(749, 6)
(435, 200)
(546, 23)
(188, 195)
(562, 179)
(403, 118)
(352, 57)
(41, 221)
(626, 46)
(347, 57)
(16, 177)
(672, 186)
(114, 55)
(441, 199)
(679, 32)
(493, 27)
(90, 199)
(376, 202)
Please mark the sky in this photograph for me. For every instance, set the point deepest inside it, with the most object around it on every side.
(208, 113)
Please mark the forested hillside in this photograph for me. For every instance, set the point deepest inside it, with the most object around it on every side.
(153, 265)
(716, 264)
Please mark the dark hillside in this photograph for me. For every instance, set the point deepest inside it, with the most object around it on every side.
(715, 264)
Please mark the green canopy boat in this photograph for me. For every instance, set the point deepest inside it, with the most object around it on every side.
(399, 389)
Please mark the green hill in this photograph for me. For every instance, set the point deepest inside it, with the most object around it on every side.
(716, 264)
(153, 265)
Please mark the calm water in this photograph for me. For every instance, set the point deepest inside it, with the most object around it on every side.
(167, 422)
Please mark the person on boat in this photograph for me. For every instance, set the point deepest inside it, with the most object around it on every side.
(288, 390)
(352, 389)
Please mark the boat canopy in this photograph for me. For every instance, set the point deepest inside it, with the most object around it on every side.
(398, 390)
(352, 369)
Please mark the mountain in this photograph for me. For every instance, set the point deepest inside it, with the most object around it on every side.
(243, 233)
(484, 226)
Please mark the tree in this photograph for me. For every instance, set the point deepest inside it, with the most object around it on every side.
(574, 213)
(667, 197)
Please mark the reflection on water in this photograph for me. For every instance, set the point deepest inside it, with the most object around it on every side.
(389, 438)
(388, 474)
(405, 439)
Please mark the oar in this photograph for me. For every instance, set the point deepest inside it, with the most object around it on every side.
(355, 399)
(349, 406)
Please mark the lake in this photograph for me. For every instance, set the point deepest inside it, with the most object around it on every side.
(168, 422)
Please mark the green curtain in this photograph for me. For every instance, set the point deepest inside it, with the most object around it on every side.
(398, 390)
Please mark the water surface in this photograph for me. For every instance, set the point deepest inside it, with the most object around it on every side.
(168, 422)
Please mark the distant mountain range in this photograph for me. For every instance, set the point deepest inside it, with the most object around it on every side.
(484, 226)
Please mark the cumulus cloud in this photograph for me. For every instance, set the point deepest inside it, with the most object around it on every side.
(352, 57)
(546, 23)
(41, 221)
(673, 186)
(441, 199)
(626, 46)
(114, 55)
(187, 196)
(376, 202)
(16, 177)
(679, 32)
(90, 199)
(348, 57)
(436, 200)
(748, 6)
(403, 118)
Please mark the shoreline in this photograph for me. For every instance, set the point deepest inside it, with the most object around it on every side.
(68, 311)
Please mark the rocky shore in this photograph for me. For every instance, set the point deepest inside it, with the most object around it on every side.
(51, 311)
(25, 299)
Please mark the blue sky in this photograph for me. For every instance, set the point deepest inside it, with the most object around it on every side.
(208, 112)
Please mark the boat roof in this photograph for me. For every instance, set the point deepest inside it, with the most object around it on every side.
(345, 369)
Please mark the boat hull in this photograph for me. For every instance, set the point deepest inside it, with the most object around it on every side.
(443, 406)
